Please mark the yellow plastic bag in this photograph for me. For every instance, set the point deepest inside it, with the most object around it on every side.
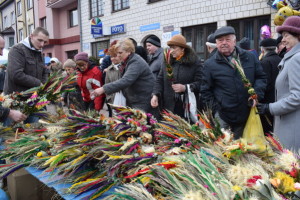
(254, 135)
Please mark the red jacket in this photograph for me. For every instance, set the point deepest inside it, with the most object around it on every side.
(88, 81)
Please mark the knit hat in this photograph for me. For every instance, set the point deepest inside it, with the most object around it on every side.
(291, 25)
(54, 60)
(211, 38)
(81, 56)
(224, 30)
(178, 40)
(245, 43)
(269, 42)
(69, 63)
(153, 39)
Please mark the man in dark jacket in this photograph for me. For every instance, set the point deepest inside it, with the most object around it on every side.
(25, 68)
(222, 86)
(269, 62)
(5, 113)
(156, 54)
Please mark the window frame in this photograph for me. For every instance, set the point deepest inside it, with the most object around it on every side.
(206, 29)
(12, 16)
(43, 22)
(29, 28)
(153, 1)
(19, 8)
(29, 3)
(256, 28)
(5, 22)
(71, 18)
(99, 12)
(122, 8)
(20, 33)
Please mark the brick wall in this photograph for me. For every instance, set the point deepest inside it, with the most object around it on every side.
(179, 13)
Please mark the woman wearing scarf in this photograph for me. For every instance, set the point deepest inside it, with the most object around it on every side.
(183, 69)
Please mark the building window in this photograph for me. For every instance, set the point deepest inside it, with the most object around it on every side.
(96, 8)
(43, 23)
(20, 34)
(11, 42)
(97, 46)
(30, 29)
(71, 54)
(152, 1)
(29, 4)
(250, 28)
(73, 14)
(12, 17)
(5, 22)
(19, 8)
(196, 37)
(120, 4)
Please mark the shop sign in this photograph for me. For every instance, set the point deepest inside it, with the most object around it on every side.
(150, 27)
(118, 29)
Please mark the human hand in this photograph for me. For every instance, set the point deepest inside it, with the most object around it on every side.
(178, 87)
(97, 92)
(16, 116)
(263, 108)
(252, 102)
(154, 101)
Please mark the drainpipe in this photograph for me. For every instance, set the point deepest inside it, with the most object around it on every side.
(80, 23)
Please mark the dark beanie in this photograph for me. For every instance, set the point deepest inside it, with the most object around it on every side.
(153, 39)
(278, 40)
(81, 56)
(245, 43)
(269, 42)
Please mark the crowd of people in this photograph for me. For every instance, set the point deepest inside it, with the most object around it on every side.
(165, 80)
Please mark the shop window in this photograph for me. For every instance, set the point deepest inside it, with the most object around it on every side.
(99, 47)
(250, 28)
(120, 5)
(196, 37)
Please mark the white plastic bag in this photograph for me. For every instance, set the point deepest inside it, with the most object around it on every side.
(119, 100)
(191, 107)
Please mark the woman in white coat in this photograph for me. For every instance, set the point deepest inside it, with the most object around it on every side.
(286, 108)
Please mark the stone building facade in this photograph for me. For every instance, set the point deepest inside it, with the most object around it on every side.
(195, 19)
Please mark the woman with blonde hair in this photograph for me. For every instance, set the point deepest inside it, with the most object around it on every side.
(136, 80)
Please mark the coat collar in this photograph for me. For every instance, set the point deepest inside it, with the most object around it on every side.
(238, 51)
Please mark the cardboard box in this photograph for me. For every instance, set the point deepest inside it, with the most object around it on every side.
(21, 185)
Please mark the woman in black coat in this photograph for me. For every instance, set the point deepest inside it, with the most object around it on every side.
(172, 81)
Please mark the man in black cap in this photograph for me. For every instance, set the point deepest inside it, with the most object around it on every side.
(155, 53)
(222, 87)
(211, 45)
(269, 62)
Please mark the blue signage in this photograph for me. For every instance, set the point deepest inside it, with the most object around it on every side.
(150, 27)
(101, 53)
(96, 26)
(118, 29)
